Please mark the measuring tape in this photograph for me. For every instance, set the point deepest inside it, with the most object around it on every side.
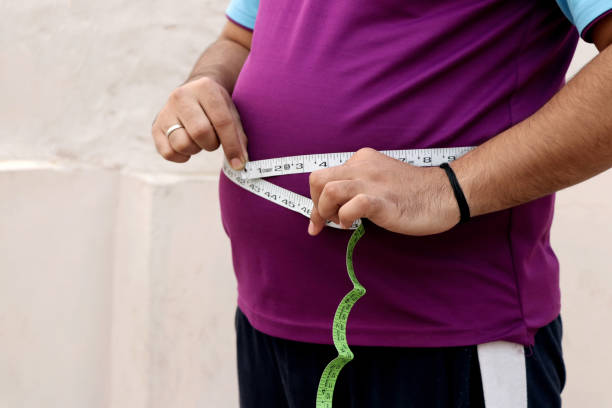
(498, 360)
(251, 178)
(327, 383)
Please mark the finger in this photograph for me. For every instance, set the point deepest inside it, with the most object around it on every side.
(163, 146)
(198, 127)
(241, 134)
(181, 143)
(319, 178)
(365, 153)
(317, 223)
(360, 206)
(335, 194)
(217, 109)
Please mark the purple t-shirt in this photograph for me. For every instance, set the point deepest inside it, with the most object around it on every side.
(335, 76)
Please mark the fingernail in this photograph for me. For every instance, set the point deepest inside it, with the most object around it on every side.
(311, 228)
(236, 163)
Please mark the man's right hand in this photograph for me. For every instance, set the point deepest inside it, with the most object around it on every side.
(209, 117)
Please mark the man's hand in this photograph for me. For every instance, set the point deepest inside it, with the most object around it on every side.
(394, 195)
(209, 117)
(203, 105)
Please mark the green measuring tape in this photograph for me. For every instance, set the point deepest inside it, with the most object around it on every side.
(325, 392)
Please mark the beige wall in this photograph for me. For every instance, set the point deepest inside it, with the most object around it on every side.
(116, 287)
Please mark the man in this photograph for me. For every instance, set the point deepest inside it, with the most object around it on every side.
(335, 76)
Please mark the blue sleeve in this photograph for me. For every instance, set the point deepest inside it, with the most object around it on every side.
(243, 12)
(582, 13)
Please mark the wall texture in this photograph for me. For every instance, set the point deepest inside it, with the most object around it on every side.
(116, 286)
(82, 81)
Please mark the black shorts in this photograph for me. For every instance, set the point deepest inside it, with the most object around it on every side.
(279, 373)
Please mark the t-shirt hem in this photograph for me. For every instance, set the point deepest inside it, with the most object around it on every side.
(238, 23)
(385, 337)
(587, 32)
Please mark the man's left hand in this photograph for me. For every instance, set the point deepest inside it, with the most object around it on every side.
(394, 195)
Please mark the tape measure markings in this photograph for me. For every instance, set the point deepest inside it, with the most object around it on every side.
(280, 166)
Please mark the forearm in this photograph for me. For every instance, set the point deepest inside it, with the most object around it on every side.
(223, 59)
(567, 141)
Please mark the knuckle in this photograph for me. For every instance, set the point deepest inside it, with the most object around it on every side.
(331, 190)
(210, 143)
(180, 144)
(213, 94)
(199, 130)
(314, 179)
(219, 92)
(362, 200)
(183, 147)
(201, 133)
(364, 152)
(368, 150)
(223, 120)
(179, 94)
(206, 82)
(166, 153)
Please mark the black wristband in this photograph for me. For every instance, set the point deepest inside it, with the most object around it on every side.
(464, 208)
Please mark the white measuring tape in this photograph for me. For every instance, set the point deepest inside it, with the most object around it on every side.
(502, 364)
(251, 178)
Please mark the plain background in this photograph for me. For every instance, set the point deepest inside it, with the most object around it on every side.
(116, 286)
